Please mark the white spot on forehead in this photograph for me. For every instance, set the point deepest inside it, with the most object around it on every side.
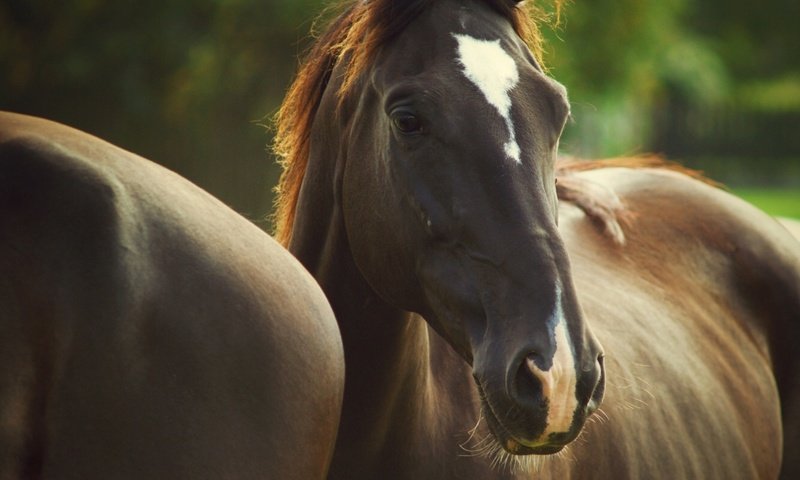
(495, 74)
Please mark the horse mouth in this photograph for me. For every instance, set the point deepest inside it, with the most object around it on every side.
(508, 441)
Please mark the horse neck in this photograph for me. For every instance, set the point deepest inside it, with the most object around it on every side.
(388, 390)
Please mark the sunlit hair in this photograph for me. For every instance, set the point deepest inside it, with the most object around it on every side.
(355, 36)
(599, 202)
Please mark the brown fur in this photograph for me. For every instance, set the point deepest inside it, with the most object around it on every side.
(146, 329)
(791, 224)
(356, 35)
(694, 313)
(598, 202)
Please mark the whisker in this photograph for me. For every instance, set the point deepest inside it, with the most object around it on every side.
(474, 430)
(487, 446)
(603, 415)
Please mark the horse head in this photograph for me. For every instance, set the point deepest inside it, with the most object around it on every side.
(445, 183)
(449, 201)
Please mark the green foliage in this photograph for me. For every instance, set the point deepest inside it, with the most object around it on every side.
(777, 202)
(189, 83)
(619, 58)
(754, 40)
(626, 61)
(184, 82)
(773, 95)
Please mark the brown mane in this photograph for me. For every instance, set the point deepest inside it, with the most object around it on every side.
(357, 34)
(600, 203)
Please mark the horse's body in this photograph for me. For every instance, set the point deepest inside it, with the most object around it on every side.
(419, 143)
(148, 331)
(696, 312)
(791, 224)
(692, 349)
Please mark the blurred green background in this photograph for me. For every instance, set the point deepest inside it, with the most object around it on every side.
(191, 83)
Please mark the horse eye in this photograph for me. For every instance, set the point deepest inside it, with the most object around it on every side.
(407, 123)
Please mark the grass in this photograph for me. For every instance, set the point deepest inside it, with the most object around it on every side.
(775, 201)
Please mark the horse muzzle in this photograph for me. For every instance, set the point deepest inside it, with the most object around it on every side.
(541, 407)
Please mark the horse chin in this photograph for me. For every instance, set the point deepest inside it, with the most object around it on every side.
(515, 448)
(513, 445)
(504, 452)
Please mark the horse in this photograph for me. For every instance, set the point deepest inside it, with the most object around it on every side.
(146, 329)
(791, 224)
(640, 327)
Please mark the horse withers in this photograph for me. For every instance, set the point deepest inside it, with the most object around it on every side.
(491, 330)
(791, 224)
(147, 330)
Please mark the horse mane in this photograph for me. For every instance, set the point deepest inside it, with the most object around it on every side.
(356, 35)
(600, 203)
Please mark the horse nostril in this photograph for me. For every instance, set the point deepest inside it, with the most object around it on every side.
(537, 363)
(529, 385)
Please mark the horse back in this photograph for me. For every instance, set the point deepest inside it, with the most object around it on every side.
(697, 312)
(147, 331)
(792, 225)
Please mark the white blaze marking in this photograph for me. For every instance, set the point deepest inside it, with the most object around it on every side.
(559, 382)
(495, 73)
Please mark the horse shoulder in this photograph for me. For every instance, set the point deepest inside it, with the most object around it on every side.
(754, 254)
(751, 250)
(682, 312)
(152, 331)
(792, 225)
